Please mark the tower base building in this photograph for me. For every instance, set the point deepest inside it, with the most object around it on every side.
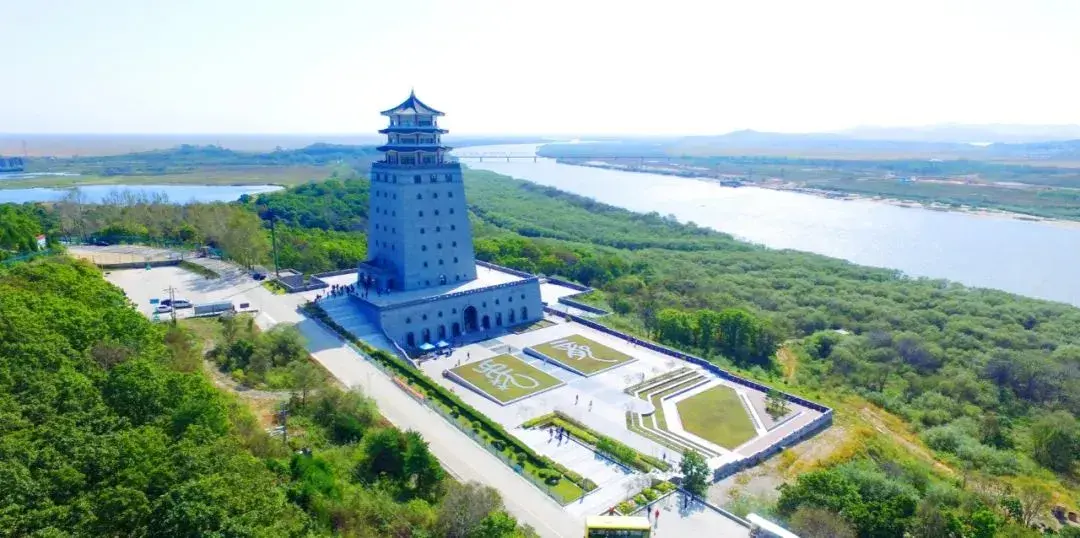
(420, 281)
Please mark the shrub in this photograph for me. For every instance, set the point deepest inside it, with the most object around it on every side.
(627, 507)
(576, 430)
(640, 500)
(622, 453)
(587, 485)
(656, 462)
(664, 487)
(573, 477)
(650, 494)
(552, 480)
(538, 421)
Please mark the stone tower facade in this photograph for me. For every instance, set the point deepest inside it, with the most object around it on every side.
(418, 234)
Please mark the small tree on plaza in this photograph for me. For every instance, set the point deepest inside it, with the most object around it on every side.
(695, 471)
(776, 405)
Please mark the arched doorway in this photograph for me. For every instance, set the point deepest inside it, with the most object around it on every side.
(442, 332)
(455, 330)
(498, 319)
(427, 336)
(512, 316)
(470, 319)
(524, 313)
(410, 340)
(485, 322)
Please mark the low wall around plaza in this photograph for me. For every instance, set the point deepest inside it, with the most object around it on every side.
(334, 273)
(568, 284)
(813, 427)
(139, 265)
(582, 306)
(294, 282)
(500, 268)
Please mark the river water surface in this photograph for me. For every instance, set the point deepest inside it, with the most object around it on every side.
(1038, 259)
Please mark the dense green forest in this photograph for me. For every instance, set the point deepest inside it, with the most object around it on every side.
(988, 380)
(110, 428)
(19, 227)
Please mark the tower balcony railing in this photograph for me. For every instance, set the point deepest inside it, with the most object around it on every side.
(398, 164)
(413, 142)
(413, 123)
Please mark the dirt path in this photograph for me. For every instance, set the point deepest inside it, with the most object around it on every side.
(881, 427)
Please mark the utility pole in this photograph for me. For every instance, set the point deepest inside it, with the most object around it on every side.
(273, 244)
(172, 302)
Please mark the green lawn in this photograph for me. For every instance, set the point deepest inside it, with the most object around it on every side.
(506, 378)
(581, 355)
(717, 415)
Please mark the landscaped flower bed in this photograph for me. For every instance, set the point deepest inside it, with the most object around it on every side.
(647, 496)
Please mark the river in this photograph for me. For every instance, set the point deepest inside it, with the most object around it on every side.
(176, 193)
(1037, 259)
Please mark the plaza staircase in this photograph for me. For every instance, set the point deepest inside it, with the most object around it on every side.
(654, 424)
(349, 315)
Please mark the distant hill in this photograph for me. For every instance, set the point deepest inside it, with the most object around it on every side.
(822, 146)
(961, 133)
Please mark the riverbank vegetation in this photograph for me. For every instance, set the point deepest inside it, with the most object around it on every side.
(111, 429)
(1026, 187)
(962, 400)
(197, 164)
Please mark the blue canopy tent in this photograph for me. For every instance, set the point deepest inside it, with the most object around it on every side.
(426, 347)
(442, 344)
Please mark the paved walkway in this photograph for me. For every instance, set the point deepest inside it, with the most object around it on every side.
(614, 483)
(457, 452)
(679, 519)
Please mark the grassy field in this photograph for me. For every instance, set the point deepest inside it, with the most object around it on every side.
(581, 355)
(506, 378)
(239, 175)
(717, 415)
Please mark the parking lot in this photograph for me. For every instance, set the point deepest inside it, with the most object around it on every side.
(142, 285)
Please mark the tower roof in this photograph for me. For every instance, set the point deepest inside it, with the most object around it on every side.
(412, 105)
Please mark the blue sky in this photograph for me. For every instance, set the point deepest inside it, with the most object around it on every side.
(523, 66)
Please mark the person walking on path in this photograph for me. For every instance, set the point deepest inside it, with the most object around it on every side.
(656, 518)
(590, 405)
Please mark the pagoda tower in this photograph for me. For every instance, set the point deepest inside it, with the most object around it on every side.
(418, 233)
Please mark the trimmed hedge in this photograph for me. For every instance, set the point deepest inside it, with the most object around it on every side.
(442, 396)
(538, 421)
(627, 507)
